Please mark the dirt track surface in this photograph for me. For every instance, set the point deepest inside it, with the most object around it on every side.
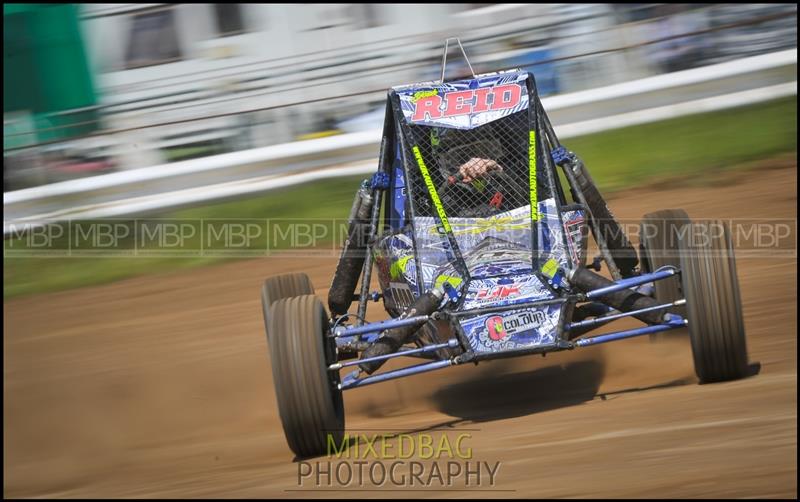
(161, 387)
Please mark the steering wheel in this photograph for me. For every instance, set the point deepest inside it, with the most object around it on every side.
(470, 201)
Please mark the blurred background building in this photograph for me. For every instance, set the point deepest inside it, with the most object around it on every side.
(96, 88)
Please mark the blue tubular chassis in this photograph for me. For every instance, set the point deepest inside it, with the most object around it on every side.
(404, 159)
(372, 330)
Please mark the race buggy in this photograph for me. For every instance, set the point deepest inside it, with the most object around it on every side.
(481, 255)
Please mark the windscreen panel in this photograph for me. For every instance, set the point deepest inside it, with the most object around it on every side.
(474, 173)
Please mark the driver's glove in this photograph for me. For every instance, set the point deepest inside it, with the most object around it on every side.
(477, 167)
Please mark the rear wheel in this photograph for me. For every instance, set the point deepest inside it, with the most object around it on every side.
(659, 232)
(283, 286)
(309, 399)
(713, 302)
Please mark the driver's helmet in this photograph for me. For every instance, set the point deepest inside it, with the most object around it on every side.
(453, 148)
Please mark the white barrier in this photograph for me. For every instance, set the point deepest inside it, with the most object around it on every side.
(677, 110)
(261, 169)
(674, 80)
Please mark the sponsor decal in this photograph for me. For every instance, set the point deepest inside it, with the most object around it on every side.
(453, 280)
(429, 105)
(495, 326)
(575, 229)
(532, 176)
(493, 255)
(475, 226)
(505, 291)
(431, 189)
(498, 292)
(424, 94)
(550, 268)
(399, 267)
(500, 327)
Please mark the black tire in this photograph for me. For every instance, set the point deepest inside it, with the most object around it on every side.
(713, 301)
(658, 246)
(283, 286)
(309, 400)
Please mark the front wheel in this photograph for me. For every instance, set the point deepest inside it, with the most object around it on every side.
(713, 302)
(309, 399)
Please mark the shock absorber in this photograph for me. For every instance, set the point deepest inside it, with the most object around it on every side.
(611, 233)
(351, 261)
